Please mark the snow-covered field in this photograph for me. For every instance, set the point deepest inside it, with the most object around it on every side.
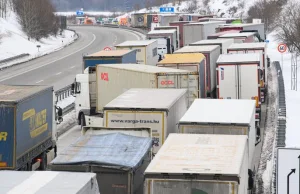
(65, 102)
(15, 42)
(292, 97)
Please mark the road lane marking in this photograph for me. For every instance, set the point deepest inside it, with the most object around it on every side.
(94, 38)
(39, 81)
(58, 73)
(72, 67)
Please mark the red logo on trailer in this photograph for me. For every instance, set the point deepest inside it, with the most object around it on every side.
(155, 19)
(167, 82)
(104, 76)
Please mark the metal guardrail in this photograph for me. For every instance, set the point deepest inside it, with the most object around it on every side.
(281, 121)
(13, 58)
(63, 93)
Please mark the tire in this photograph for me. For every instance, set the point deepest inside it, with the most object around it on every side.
(82, 121)
(43, 165)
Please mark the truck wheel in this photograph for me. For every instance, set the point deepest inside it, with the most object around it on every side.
(43, 165)
(29, 166)
(82, 121)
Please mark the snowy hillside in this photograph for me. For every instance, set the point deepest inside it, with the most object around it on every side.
(13, 41)
(222, 8)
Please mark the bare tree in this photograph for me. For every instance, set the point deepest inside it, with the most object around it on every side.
(3, 8)
(192, 6)
(136, 7)
(148, 4)
(288, 25)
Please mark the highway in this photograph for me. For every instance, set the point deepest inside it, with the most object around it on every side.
(59, 68)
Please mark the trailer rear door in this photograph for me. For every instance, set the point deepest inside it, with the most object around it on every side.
(227, 82)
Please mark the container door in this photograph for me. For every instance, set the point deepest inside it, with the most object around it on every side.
(167, 81)
(248, 82)
(227, 82)
(7, 136)
(191, 83)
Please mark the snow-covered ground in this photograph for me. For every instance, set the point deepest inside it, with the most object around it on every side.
(66, 102)
(14, 41)
(292, 97)
(221, 8)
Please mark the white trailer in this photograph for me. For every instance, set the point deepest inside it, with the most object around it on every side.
(223, 43)
(261, 48)
(164, 33)
(170, 28)
(197, 163)
(199, 31)
(225, 117)
(121, 77)
(211, 53)
(146, 50)
(159, 109)
(238, 77)
(245, 37)
(48, 182)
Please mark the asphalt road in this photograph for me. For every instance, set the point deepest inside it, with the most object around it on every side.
(59, 68)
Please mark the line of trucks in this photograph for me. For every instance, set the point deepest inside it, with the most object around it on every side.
(185, 123)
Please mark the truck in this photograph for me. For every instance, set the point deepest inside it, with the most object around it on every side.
(211, 116)
(193, 62)
(211, 53)
(27, 127)
(181, 32)
(138, 20)
(146, 50)
(246, 37)
(258, 28)
(134, 131)
(199, 31)
(170, 28)
(108, 57)
(159, 109)
(199, 163)
(218, 34)
(48, 182)
(119, 160)
(260, 48)
(223, 43)
(239, 77)
(165, 33)
(164, 46)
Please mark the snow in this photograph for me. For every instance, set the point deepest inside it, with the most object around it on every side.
(292, 97)
(217, 7)
(69, 120)
(14, 41)
(66, 102)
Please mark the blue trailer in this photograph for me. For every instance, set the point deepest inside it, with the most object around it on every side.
(109, 57)
(27, 127)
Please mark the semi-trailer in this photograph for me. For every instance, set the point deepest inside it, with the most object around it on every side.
(27, 127)
(159, 109)
(223, 43)
(199, 163)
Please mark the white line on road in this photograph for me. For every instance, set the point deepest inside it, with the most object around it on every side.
(72, 67)
(39, 81)
(94, 38)
(58, 73)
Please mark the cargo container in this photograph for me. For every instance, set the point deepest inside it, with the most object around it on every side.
(227, 20)
(217, 35)
(113, 80)
(195, 17)
(166, 19)
(27, 127)
(246, 37)
(134, 131)
(109, 57)
(211, 53)
(160, 33)
(238, 77)
(159, 109)
(197, 163)
(48, 182)
(180, 25)
(223, 43)
(170, 28)
(226, 117)
(146, 50)
(192, 62)
(255, 48)
(138, 20)
(199, 31)
(247, 27)
(119, 160)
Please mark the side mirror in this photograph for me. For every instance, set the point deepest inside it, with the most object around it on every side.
(250, 180)
(59, 114)
(258, 135)
(73, 88)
